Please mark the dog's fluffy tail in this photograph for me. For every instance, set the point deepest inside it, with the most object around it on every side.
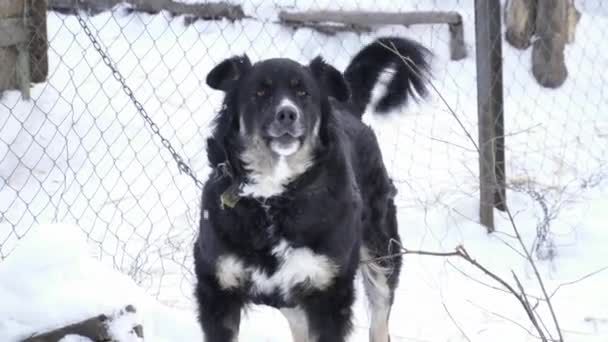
(408, 62)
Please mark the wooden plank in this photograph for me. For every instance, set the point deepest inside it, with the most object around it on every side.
(12, 32)
(458, 49)
(207, 10)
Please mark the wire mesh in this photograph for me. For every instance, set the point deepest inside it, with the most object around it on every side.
(78, 151)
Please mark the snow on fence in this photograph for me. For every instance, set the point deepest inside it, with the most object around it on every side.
(78, 151)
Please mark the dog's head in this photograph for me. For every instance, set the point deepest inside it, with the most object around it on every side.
(277, 104)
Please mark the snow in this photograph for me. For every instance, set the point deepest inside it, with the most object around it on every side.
(80, 154)
(52, 279)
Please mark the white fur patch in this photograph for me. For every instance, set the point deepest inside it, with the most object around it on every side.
(285, 151)
(230, 271)
(298, 323)
(272, 184)
(296, 266)
(385, 77)
(378, 295)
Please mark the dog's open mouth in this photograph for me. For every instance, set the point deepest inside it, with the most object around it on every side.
(285, 144)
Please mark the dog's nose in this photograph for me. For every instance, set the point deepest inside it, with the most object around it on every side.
(286, 116)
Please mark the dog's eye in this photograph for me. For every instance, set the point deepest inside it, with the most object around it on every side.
(301, 93)
(260, 92)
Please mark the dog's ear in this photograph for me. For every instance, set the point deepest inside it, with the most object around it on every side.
(331, 79)
(228, 72)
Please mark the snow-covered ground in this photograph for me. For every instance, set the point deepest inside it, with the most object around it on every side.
(80, 154)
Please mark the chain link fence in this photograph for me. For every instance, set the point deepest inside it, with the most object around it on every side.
(80, 152)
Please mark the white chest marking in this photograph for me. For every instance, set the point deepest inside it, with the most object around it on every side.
(296, 266)
(271, 184)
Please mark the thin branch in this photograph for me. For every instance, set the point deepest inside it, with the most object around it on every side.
(452, 144)
(588, 275)
(411, 65)
(530, 307)
(504, 317)
(461, 252)
(464, 274)
(413, 68)
(455, 323)
(536, 272)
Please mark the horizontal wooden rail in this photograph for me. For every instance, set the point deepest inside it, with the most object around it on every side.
(365, 19)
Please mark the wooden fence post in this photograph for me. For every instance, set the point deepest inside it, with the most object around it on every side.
(490, 110)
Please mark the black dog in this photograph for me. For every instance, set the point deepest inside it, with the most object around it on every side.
(299, 198)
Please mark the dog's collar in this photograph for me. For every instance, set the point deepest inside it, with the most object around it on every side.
(230, 197)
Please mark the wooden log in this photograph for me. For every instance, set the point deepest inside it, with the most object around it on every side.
(359, 20)
(12, 32)
(95, 328)
(38, 42)
(573, 18)
(8, 59)
(22, 70)
(548, 61)
(11, 8)
(520, 20)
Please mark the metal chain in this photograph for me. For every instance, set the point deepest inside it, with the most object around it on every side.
(181, 164)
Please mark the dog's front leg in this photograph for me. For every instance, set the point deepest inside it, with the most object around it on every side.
(219, 312)
(329, 312)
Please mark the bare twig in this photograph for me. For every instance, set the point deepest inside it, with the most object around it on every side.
(588, 275)
(452, 144)
(504, 317)
(411, 65)
(461, 252)
(541, 283)
(455, 323)
(531, 314)
(414, 69)
(496, 288)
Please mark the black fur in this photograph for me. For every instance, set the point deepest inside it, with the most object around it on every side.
(342, 202)
(407, 58)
